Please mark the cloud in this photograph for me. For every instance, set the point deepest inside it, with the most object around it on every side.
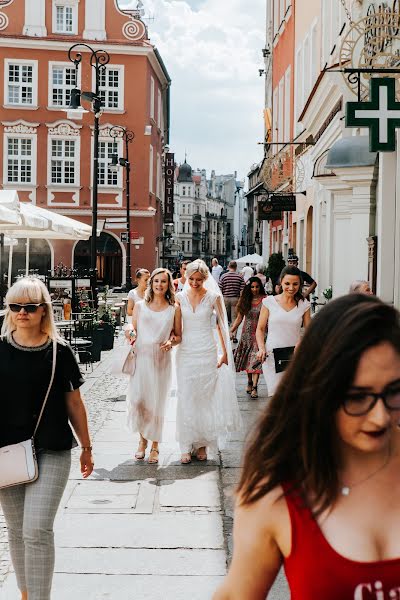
(212, 50)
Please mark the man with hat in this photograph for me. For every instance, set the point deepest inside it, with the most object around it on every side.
(293, 261)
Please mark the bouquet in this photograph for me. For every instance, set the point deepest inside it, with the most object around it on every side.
(327, 293)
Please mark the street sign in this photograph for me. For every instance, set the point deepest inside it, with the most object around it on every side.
(124, 237)
(381, 114)
(169, 188)
(115, 225)
(267, 212)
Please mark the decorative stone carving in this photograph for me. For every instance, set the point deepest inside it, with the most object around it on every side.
(3, 21)
(20, 127)
(64, 128)
(134, 30)
(105, 131)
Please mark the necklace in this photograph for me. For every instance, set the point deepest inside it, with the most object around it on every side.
(346, 489)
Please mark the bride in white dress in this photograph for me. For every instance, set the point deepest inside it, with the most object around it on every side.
(207, 409)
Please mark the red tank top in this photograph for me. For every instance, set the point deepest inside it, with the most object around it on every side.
(315, 571)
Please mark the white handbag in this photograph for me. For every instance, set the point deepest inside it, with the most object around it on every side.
(124, 362)
(18, 462)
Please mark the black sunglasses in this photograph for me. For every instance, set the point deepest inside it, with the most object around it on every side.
(29, 308)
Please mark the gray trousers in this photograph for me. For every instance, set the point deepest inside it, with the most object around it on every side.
(29, 511)
(231, 310)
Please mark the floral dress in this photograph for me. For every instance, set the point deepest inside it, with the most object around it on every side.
(246, 352)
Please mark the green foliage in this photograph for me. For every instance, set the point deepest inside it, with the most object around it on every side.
(275, 265)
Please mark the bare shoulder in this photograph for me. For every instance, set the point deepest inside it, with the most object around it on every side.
(269, 513)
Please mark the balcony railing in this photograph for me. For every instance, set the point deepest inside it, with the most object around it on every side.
(197, 217)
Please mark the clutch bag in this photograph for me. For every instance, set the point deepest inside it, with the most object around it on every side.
(282, 357)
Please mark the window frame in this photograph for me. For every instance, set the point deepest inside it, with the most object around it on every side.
(34, 85)
(33, 137)
(120, 88)
(152, 97)
(73, 4)
(76, 160)
(118, 142)
(51, 85)
(151, 170)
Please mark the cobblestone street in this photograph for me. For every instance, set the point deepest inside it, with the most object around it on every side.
(139, 531)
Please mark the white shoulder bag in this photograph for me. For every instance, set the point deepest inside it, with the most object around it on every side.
(18, 462)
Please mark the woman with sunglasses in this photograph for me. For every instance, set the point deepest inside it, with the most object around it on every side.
(26, 342)
(320, 488)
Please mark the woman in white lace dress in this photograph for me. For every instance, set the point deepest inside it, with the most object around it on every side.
(154, 318)
(207, 409)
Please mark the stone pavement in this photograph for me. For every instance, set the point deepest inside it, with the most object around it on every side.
(137, 531)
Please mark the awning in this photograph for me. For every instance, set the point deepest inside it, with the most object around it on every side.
(254, 259)
(352, 151)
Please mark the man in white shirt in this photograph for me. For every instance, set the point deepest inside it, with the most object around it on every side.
(247, 272)
(216, 269)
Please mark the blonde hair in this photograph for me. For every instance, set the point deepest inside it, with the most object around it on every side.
(30, 290)
(169, 294)
(197, 266)
(357, 285)
(140, 272)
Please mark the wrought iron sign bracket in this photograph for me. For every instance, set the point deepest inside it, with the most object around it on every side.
(354, 75)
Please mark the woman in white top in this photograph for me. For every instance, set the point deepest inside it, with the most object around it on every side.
(153, 321)
(284, 315)
(142, 277)
(207, 409)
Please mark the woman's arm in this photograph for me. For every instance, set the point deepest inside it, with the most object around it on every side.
(175, 337)
(78, 417)
(220, 314)
(256, 555)
(237, 322)
(130, 307)
(307, 318)
(260, 333)
(131, 328)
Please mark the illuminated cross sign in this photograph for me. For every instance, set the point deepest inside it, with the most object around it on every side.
(381, 114)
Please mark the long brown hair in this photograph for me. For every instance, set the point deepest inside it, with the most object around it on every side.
(169, 294)
(246, 297)
(295, 440)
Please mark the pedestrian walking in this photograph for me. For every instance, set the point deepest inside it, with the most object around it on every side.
(31, 351)
(324, 457)
(248, 309)
(180, 281)
(360, 287)
(141, 276)
(207, 409)
(284, 315)
(293, 261)
(260, 274)
(216, 270)
(154, 318)
(231, 285)
(247, 272)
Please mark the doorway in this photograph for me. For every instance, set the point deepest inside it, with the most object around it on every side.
(108, 261)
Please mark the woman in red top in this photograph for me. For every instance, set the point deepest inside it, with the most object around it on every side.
(320, 490)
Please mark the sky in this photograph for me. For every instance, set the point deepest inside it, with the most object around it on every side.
(212, 51)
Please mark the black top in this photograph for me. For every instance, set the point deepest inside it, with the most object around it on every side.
(307, 278)
(24, 378)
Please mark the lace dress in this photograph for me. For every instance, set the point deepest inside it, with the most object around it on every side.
(149, 387)
(283, 331)
(207, 408)
(246, 352)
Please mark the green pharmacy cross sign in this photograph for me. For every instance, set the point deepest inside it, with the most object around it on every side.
(381, 114)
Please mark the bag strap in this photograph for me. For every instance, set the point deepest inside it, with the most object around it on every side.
(53, 370)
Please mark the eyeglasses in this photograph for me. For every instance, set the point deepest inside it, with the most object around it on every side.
(29, 308)
(357, 404)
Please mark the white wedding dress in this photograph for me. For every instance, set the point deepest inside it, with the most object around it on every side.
(149, 386)
(207, 408)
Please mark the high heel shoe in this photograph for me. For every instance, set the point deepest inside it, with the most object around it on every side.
(141, 451)
(153, 456)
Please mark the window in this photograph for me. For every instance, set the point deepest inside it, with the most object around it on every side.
(107, 177)
(64, 22)
(19, 160)
(152, 99)
(151, 170)
(159, 109)
(111, 88)
(184, 191)
(188, 227)
(287, 111)
(183, 208)
(63, 79)
(183, 227)
(21, 82)
(63, 158)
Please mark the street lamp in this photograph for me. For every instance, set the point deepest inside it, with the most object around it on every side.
(128, 136)
(98, 60)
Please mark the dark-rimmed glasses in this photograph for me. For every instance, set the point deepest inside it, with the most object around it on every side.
(29, 308)
(360, 403)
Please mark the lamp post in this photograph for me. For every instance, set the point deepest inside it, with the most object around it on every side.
(98, 60)
(128, 136)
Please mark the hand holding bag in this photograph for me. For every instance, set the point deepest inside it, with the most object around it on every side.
(18, 462)
(282, 357)
(125, 361)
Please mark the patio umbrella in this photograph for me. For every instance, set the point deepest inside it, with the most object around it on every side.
(253, 259)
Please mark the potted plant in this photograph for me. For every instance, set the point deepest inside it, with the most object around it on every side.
(107, 325)
(327, 293)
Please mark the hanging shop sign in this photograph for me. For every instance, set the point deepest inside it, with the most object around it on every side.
(285, 202)
(169, 187)
(381, 114)
(373, 42)
(266, 210)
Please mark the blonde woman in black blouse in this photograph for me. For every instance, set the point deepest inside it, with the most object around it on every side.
(26, 342)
